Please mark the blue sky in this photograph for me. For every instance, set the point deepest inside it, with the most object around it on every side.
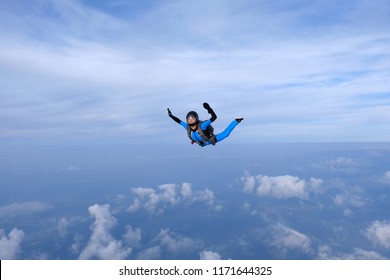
(92, 167)
(298, 71)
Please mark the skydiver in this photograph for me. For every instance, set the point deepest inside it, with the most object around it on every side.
(201, 132)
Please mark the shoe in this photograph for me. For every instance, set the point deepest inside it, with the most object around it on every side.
(239, 119)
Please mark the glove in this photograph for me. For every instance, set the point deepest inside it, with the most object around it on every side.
(210, 111)
(207, 106)
(169, 112)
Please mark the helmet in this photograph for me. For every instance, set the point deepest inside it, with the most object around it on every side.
(194, 114)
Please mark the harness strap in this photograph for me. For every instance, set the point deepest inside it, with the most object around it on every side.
(202, 134)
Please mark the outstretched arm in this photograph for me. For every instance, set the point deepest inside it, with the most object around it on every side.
(210, 111)
(176, 119)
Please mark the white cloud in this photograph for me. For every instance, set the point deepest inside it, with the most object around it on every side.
(120, 198)
(249, 183)
(347, 212)
(206, 195)
(325, 252)
(151, 199)
(379, 234)
(347, 199)
(247, 207)
(23, 209)
(62, 227)
(186, 190)
(102, 245)
(132, 236)
(10, 245)
(342, 164)
(135, 206)
(385, 178)
(360, 254)
(316, 183)
(280, 187)
(286, 239)
(151, 253)
(168, 195)
(209, 255)
(77, 244)
(176, 244)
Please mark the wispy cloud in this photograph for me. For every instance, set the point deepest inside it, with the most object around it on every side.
(342, 164)
(79, 69)
(385, 178)
(23, 209)
(326, 252)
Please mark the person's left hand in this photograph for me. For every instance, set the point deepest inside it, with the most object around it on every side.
(206, 106)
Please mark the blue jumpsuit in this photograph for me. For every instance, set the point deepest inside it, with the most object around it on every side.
(219, 137)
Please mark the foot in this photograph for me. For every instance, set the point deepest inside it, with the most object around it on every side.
(239, 119)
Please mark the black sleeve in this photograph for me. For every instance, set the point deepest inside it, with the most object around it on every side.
(176, 119)
(213, 116)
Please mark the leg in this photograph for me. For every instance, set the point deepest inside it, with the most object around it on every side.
(227, 131)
